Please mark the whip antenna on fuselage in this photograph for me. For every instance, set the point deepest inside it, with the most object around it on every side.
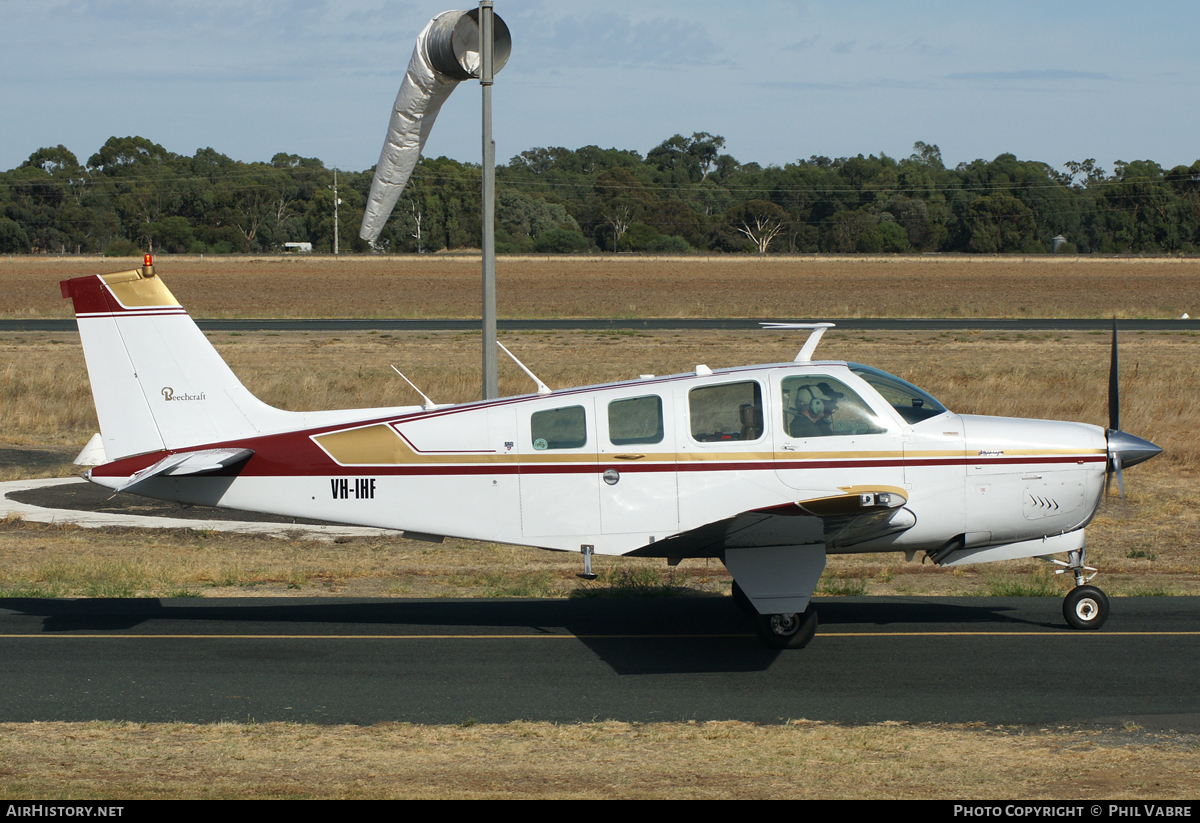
(429, 404)
(542, 388)
(810, 344)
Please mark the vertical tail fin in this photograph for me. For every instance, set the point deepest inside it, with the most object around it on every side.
(157, 381)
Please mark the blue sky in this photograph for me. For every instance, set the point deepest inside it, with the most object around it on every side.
(1048, 81)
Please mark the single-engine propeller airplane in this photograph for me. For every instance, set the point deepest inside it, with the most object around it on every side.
(769, 468)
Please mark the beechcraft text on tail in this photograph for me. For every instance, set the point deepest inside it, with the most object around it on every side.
(769, 468)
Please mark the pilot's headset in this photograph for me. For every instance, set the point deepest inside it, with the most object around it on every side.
(810, 398)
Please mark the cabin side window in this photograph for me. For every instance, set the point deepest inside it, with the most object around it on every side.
(564, 428)
(819, 406)
(635, 420)
(729, 411)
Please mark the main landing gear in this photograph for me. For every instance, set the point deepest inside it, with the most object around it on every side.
(1086, 607)
(787, 631)
(778, 631)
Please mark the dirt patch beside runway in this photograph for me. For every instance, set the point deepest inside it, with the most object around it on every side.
(623, 287)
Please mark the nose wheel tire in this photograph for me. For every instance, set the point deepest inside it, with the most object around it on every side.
(787, 631)
(1086, 607)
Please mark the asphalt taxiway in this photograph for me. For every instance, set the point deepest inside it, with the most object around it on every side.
(328, 661)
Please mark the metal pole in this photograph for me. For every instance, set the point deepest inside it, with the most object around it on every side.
(491, 369)
(335, 213)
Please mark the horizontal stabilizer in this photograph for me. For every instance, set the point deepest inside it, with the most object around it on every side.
(199, 462)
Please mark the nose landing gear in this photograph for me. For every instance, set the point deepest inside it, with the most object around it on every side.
(1086, 607)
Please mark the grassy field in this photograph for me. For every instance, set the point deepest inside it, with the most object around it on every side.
(1149, 547)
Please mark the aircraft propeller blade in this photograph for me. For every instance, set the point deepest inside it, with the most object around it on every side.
(1120, 481)
(1114, 415)
(1114, 389)
(1115, 468)
(1123, 449)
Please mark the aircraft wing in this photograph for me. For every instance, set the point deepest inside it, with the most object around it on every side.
(206, 461)
(855, 515)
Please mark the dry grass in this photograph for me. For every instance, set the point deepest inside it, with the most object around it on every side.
(42, 560)
(600, 286)
(523, 760)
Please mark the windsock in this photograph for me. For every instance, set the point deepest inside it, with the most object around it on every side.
(447, 52)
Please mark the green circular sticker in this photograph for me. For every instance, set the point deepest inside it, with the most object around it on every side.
(541, 444)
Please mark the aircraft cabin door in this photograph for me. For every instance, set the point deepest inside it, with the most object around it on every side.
(829, 437)
(638, 490)
(559, 477)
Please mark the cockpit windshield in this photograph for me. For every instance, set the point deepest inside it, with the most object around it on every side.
(913, 404)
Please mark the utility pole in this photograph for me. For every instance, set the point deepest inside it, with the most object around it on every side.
(336, 201)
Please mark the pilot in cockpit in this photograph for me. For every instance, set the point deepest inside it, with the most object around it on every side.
(825, 407)
(808, 415)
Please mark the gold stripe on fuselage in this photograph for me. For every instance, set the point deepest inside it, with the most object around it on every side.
(871, 489)
(377, 445)
(381, 445)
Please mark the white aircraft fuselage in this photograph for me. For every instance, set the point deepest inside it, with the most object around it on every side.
(473, 470)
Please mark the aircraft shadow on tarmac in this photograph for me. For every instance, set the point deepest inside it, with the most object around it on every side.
(632, 635)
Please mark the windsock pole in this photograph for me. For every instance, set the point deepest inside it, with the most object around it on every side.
(491, 369)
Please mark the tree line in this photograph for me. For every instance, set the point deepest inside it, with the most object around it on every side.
(685, 195)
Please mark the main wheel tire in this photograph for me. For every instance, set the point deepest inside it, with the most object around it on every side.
(787, 631)
(743, 602)
(1086, 607)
